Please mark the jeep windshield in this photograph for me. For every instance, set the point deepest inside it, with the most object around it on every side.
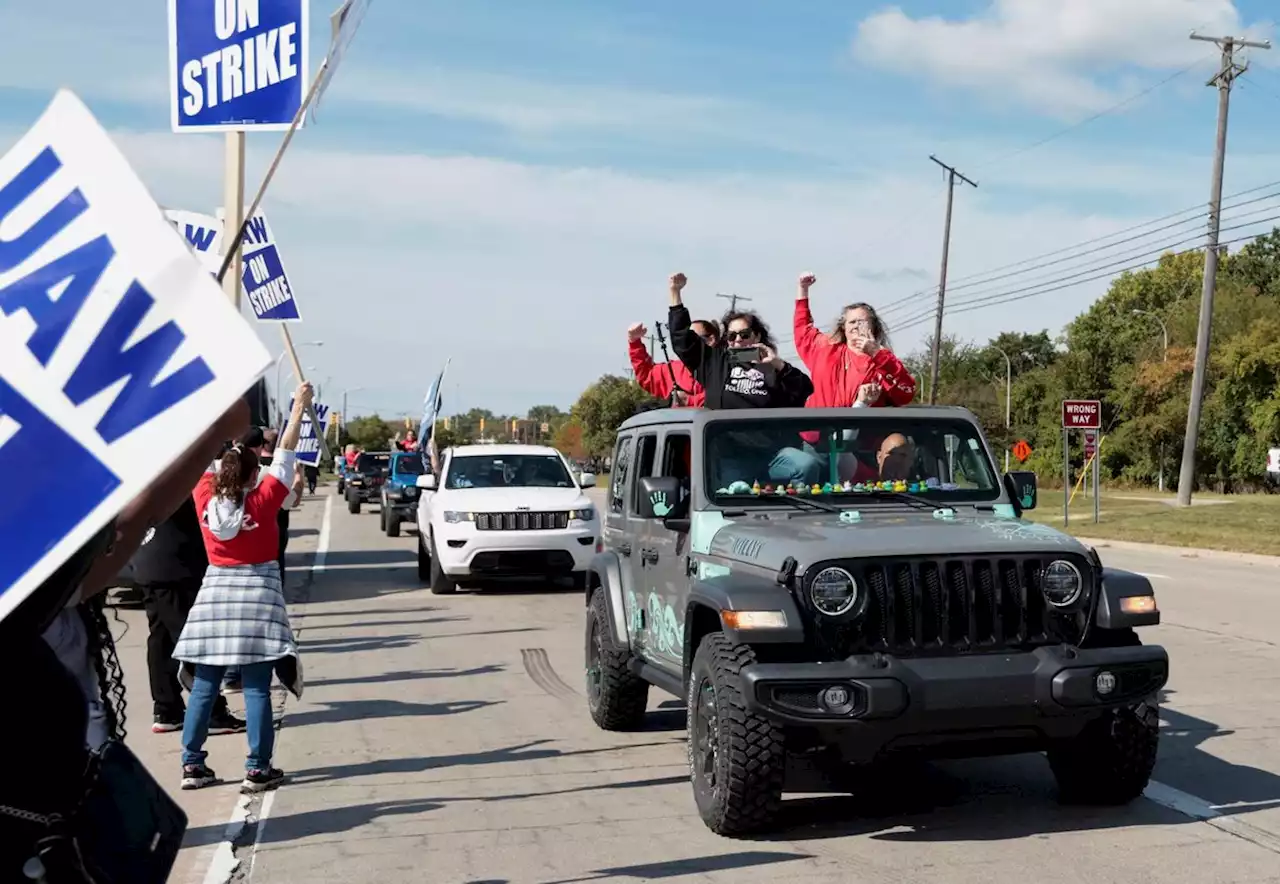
(368, 463)
(867, 456)
(409, 466)
(507, 471)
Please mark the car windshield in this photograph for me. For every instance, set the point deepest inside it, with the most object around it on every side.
(938, 458)
(370, 462)
(409, 466)
(507, 471)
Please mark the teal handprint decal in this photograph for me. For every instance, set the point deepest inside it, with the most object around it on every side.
(1028, 498)
(660, 505)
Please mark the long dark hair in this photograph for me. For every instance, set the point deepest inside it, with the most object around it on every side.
(754, 321)
(234, 472)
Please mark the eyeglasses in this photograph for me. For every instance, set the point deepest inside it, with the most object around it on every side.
(741, 334)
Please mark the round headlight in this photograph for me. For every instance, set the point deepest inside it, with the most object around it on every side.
(1061, 583)
(834, 592)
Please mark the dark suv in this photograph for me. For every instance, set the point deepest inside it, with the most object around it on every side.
(365, 480)
(399, 494)
(831, 588)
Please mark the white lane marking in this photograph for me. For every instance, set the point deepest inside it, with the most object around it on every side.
(225, 863)
(1199, 809)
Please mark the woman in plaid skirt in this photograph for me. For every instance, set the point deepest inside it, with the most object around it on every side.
(239, 617)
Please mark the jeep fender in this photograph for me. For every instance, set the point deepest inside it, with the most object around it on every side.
(739, 592)
(1118, 584)
(606, 571)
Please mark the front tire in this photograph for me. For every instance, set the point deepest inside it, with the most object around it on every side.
(390, 523)
(737, 759)
(441, 583)
(342, 487)
(616, 697)
(353, 502)
(1111, 761)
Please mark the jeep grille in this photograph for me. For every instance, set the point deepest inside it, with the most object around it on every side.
(927, 606)
(521, 521)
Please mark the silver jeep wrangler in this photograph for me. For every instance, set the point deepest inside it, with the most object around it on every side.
(831, 589)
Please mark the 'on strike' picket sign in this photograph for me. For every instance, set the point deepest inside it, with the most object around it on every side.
(237, 64)
(266, 285)
(117, 349)
(308, 442)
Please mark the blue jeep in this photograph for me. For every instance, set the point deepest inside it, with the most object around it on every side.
(400, 492)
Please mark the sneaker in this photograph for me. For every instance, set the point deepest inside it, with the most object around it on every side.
(166, 724)
(226, 723)
(197, 776)
(261, 780)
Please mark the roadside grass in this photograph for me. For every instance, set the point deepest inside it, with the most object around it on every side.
(1248, 523)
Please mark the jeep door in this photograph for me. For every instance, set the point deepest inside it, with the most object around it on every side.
(619, 528)
(664, 556)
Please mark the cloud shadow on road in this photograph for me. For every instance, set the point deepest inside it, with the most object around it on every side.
(356, 624)
(357, 643)
(353, 710)
(406, 675)
(678, 868)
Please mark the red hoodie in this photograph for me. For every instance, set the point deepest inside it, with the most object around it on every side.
(838, 372)
(656, 379)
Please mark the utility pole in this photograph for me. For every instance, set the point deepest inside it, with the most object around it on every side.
(952, 175)
(733, 301)
(1227, 73)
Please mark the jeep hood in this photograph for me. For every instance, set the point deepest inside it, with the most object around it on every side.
(812, 538)
(501, 500)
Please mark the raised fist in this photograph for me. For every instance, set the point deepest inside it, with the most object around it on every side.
(678, 281)
(304, 393)
(637, 331)
(806, 280)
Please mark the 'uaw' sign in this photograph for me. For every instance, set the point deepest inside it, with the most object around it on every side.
(117, 349)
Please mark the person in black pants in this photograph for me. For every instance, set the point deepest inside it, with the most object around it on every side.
(169, 567)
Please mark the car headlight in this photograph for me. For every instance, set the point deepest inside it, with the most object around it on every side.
(409, 492)
(1061, 583)
(455, 517)
(584, 514)
(834, 592)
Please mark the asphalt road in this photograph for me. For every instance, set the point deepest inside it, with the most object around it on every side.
(446, 739)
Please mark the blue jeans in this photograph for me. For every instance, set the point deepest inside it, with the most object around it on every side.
(260, 727)
(788, 465)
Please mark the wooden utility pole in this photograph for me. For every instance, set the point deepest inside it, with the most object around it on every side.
(733, 301)
(952, 175)
(1227, 73)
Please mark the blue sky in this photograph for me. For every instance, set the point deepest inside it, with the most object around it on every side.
(511, 183)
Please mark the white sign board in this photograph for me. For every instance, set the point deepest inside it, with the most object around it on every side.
(117, 349)
(266, 285)
(308, 440)
(237, 65)
(1273, 460)
(203, 233)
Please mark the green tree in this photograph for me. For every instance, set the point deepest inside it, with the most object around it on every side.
(370, 433)
(602, 407)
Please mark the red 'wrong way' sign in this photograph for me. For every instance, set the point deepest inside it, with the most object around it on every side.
(1081, 414)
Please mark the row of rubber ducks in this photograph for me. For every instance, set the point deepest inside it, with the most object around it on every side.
(794, 488)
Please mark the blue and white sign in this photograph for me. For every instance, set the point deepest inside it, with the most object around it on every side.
(203, 233)
(308, 449)
(266, 285)
(237, 64)
(117, 349)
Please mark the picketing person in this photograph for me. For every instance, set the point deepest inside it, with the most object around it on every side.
(240, 617)
(853, 364)
(670, 381)
(75, 804)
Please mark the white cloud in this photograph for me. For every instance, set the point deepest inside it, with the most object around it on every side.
(1058, 57)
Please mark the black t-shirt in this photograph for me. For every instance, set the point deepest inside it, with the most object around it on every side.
(174, 552)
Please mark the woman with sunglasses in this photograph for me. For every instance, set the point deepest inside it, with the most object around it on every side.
(853, 365)
(745, 373)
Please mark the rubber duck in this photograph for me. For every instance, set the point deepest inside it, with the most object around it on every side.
(755, 487)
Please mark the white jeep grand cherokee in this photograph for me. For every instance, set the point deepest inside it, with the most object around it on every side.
(503, 511)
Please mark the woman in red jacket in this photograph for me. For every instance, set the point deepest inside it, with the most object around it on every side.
(853, 356)
(239, 617)
(669, 381)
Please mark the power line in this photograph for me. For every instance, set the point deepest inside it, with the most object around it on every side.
(733, 301)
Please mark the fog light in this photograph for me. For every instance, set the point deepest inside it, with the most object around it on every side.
(1105, 683)
(838, 699)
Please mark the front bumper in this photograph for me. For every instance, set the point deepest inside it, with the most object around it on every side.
(464, 551)
(365, 492)
(1027, 698)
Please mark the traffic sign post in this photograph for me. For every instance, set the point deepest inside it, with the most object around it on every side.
(1021, 450)
(1080, 414)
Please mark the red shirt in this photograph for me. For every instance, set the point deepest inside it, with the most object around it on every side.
(258, 540)
(352, 456)
(656, 379)
(838, 372)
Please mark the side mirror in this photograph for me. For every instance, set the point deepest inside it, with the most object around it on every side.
(660, 498)
(587, 480)
(1021, 486)
(426, 482)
